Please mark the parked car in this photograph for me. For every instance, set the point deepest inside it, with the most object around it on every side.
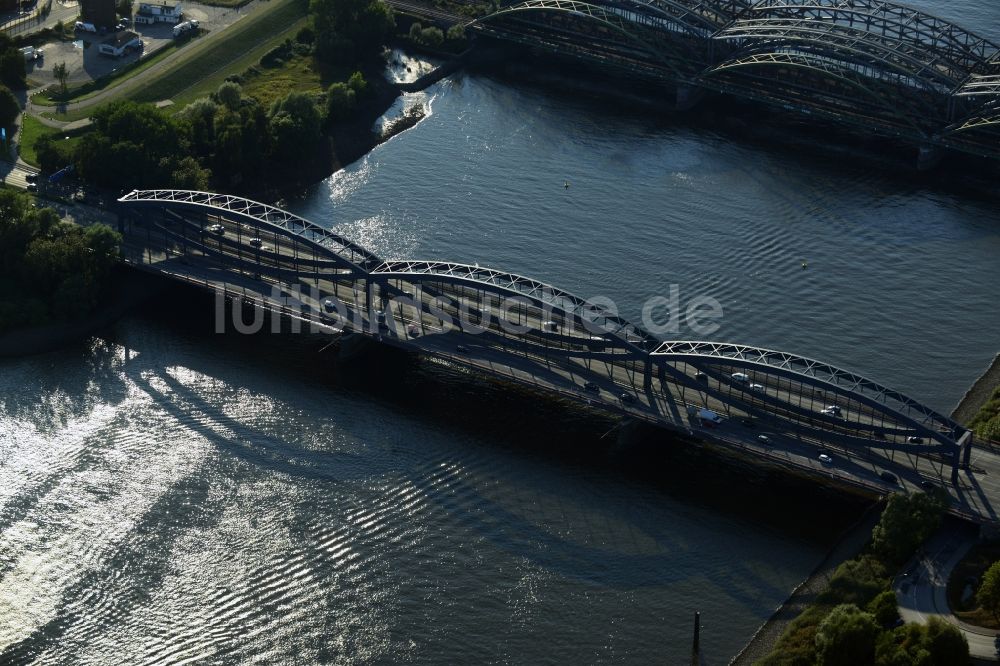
(31, 177)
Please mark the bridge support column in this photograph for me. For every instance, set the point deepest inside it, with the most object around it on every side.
(688, 96)
(647, 374)
(928, 157)
(965, 447)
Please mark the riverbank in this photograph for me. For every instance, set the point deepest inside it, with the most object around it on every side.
(127, 289)
(978, 393)
(848, 546)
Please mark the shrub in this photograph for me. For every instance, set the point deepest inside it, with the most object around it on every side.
(846, 637)
(884, 608)
(432, 36)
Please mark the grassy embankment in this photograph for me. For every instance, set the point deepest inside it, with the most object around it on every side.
(986, 422)
(31, 129)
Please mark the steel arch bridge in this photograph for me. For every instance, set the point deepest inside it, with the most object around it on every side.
(520, 329)
(871, 64)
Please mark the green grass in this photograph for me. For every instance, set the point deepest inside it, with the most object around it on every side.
(31, 129)
(243, 44)
(297, 74)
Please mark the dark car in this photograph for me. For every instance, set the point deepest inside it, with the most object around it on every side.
(462, 349)
(32, 178)
(927, 485)
(627, 397)
(889, 477)
(701, 377)
(592, 387)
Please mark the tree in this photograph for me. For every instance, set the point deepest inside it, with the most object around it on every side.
(295, 126)
(12, 72)
(340, 102)
(846, 637)
(946, 643)
(230, 95)
(351, 30)
(415, 29)
(61, 72)
(988, 595)
(905, 524)
(456, 33)
(432, 36)
(884, 608)
(124, 8)
(357, 83)
(9, 108)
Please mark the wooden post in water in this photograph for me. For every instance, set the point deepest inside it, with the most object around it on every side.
(695, 648)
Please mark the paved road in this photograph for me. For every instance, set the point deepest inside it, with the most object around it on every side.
(922, 589)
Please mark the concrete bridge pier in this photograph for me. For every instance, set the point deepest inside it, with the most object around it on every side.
(928, 157)
(688, 96)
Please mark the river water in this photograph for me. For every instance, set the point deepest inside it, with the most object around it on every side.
(169, 495)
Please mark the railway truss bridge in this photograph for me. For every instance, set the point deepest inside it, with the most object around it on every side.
(876, 66)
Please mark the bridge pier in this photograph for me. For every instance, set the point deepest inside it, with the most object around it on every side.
(928, 157)
(688, 96)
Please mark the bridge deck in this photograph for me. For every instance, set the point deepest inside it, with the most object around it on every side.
(482, 327)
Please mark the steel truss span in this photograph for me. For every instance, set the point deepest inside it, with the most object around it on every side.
(558, 329)
(878, 66)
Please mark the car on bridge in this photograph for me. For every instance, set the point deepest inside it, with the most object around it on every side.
(592, 387)
(756, 387)
(825, 459)
(217, 229)
(889, 477)
(764, 439)
(627, 398)
(257, 243)
(833, 410)
(740, 377)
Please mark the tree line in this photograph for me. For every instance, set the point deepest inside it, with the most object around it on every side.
(50, 270)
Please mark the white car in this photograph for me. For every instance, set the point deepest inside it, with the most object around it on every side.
(740, 377)
(756, 387)
(832, 410)
(217, 229)
(825, 459)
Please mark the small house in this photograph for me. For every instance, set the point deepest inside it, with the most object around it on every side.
(152, 12)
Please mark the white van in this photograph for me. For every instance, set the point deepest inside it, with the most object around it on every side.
(85, 27)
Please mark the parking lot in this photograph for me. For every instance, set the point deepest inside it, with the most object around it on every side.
(85, 63)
